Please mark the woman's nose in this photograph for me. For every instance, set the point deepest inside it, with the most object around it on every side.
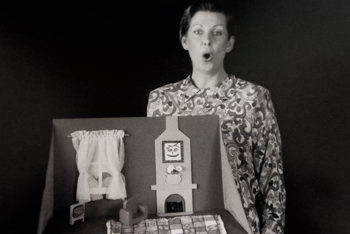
(206, 40)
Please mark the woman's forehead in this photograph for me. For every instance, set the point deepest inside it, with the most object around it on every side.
(208, 18)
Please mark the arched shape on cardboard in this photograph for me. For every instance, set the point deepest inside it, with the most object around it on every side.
(174, 203)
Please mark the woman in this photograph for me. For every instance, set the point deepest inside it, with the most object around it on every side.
(249, 128)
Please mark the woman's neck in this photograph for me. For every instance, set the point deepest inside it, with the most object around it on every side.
(206, 80)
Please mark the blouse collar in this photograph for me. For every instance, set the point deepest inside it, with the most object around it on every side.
(219, 90)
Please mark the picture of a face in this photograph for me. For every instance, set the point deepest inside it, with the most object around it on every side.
(172, 151)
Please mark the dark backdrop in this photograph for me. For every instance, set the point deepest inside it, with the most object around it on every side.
(65, 60)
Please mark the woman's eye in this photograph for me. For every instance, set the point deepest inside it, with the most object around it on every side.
(218, 33)
(198, 32)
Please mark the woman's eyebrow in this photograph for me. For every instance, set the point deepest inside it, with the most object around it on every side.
(218, 25)
(197, 25)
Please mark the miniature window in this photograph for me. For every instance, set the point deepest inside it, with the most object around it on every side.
(100, 159)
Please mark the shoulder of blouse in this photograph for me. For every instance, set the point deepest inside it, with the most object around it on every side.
(169, 88)
(250, 90)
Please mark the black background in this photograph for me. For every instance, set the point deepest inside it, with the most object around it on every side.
(99, 59)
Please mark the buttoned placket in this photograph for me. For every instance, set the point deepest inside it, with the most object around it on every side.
(218, 94)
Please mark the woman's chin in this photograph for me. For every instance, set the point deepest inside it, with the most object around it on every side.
(207, 68)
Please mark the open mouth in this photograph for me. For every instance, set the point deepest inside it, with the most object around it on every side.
(207, 56)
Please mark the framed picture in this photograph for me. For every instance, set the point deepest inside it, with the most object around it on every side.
(172, 151)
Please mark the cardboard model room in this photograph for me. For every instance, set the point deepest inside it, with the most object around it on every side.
(106, 175)
(72, 73)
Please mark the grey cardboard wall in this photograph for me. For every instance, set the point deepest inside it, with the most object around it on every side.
(139, 168)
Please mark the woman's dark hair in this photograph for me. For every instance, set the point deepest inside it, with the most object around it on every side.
(211, 6)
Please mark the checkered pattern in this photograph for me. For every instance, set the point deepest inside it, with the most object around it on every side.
(197, 224)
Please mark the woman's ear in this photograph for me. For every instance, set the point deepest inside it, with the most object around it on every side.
(230, 44)
(184, 43)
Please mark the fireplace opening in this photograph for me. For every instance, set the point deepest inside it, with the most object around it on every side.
(174, 203)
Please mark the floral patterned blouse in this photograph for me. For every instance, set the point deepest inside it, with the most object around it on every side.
(250, 135)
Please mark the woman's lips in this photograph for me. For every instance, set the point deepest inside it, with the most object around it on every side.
(207, 56)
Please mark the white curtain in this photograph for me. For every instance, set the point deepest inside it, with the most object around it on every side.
(99, 153)
(116, 188)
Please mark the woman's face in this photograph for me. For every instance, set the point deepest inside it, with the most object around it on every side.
(207, 41)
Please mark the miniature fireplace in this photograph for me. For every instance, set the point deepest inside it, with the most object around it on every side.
(173, 171)
(174, 203)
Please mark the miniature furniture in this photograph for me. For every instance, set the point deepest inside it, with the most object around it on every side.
(77, 212)
(132, 212)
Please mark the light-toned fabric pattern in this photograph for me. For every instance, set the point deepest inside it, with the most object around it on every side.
(100, 159)
(232, 199)
(251, 137)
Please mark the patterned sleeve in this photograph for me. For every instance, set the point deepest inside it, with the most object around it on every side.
(153, 105)
(161, 103)
(271, 199)
(156, 103)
